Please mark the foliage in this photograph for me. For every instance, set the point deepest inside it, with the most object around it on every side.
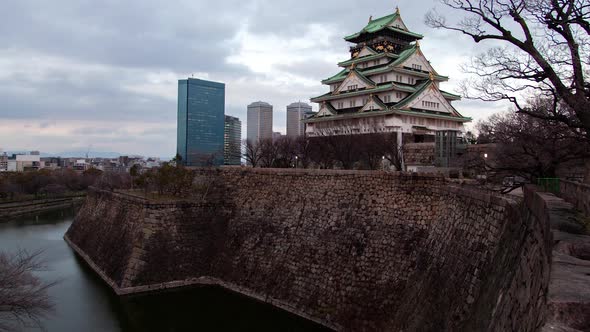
(136, 169)
(48, 183)
(177, 160)
(168, 179)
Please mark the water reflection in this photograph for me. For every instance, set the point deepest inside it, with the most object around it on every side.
(85, 303)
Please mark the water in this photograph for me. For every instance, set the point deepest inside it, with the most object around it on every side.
(85, 303)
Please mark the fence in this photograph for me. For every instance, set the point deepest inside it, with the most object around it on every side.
(549, 184)
(576, 193)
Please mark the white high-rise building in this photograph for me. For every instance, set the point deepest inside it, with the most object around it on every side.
(259, 125)
(297, 112)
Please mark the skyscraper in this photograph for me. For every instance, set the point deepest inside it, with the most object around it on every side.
(232, 151)
(295, 113)
(259, 121)
(201, 112)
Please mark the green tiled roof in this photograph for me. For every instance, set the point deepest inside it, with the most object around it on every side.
(336, 78)
(409, 33)
(391, 110)
(378, 88)
(438, 116)
(366, 71)
(377, 101)
(413, 96)
(449, 95)
(341, 76)
(419, 90)
(364, 78)
(399, 59)
(368, 58)
(380, 24)
(422, 74)
(405, 55)
(330, 108)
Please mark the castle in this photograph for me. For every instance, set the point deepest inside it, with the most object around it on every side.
(387, 86)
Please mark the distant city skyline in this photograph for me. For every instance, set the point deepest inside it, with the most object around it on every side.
(60, 92)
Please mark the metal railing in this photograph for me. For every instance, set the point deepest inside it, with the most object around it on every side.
(549, 184)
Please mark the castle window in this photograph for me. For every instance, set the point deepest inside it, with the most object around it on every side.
(383, 78)
(353, 87)
(387, 98)
(352, 103)
(375, 62)
(398, 95)
(340, 105)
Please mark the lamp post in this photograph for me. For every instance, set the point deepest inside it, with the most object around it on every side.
(485, 167)
(296, 160)
(383, 163)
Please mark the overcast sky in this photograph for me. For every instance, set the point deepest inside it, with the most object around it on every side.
(81, 73)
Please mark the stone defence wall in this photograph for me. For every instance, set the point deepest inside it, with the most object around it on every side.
(352, 250)
(419, 154)
(576, 193)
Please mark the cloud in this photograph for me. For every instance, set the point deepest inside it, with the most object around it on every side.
(75, 73)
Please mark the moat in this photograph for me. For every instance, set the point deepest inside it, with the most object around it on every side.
(85, 303)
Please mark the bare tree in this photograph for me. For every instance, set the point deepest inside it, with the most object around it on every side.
(530, 147)
(252, 153)
(393, 152)
(339, 145)
(269, 152)
(23, 296)
(370, 150)
(287, 150)
(303, 151)
(545, 53)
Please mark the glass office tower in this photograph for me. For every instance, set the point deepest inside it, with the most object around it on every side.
(201, 117)
(233, 139)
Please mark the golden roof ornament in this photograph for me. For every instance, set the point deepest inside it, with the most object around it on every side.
(431, 76)
(397, 10)
(417, 43)
(352, 66)
(370, 18)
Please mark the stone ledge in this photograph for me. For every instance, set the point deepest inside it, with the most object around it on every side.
(200, 281)
(568, 298)
(7, 214)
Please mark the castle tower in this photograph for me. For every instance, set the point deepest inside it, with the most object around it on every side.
(386, 86)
